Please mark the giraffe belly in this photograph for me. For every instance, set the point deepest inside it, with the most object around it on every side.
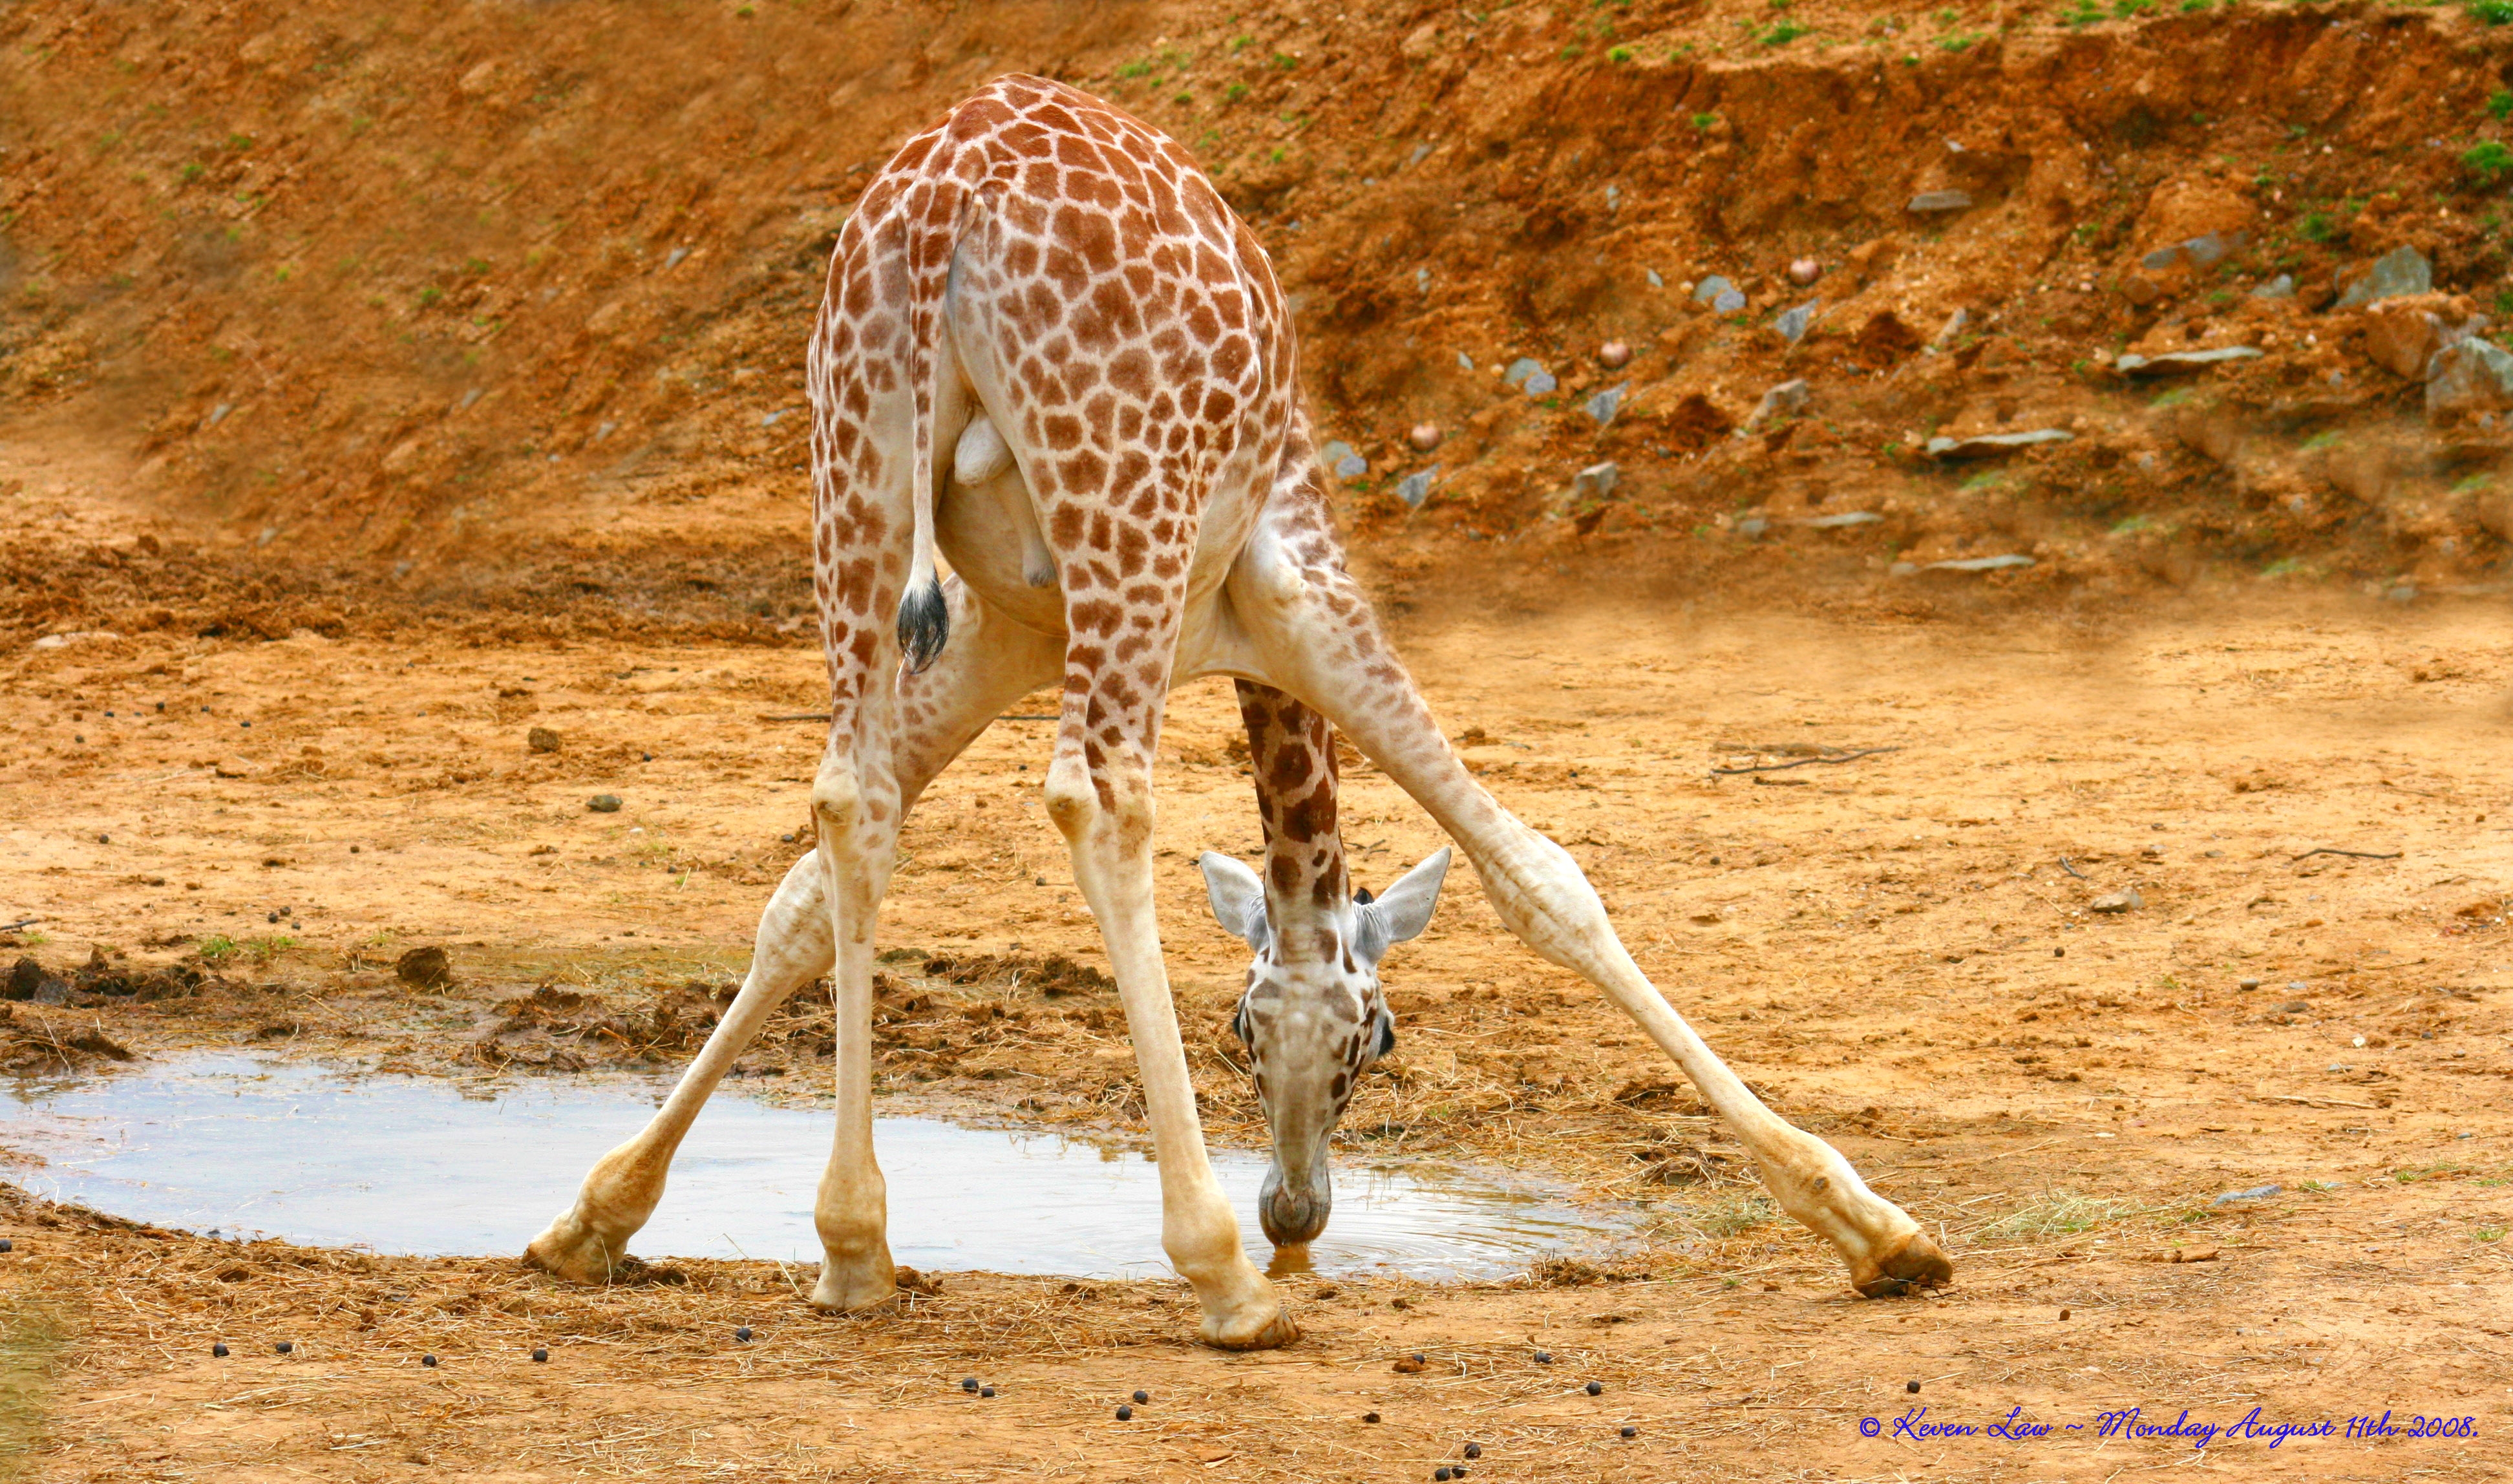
(990, 534)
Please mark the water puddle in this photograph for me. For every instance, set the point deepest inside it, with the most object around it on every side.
(256, 1146)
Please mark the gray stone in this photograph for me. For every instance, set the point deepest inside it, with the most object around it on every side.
(2280, 287)
(1709, 288)
(1351, 466)
(218, 413)
(2255, 1194)
(1729, 301)
(1540, 384)
(2178, 362)
(1787, 400)
(1955, 325)
(1335, 452)
(2249, 983)
(1520, 370)
(1415, 488)
(1466, 362)
(1844, 520)
(1753, 527)
(1992, 444)
(2199, 251)
(604, 803)
(1420, 153)
(769, 419)
(1597, 480)
(1655, 281)
(1605, 404)
(2400, 270)
(1994, 564)
(1931, 202)
(1421, 280)
(1793, 323)
(2117, 902)
(2475, 375)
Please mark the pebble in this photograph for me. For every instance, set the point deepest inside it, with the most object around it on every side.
(2063, 1313)
(742, 1333)
(1125, 1413)
(2175, 362)
(1521, 371)
(2058, 952)
(2255, 1194)
(1424, 437)
(2280, 287)
(1615, 356)
(1930, 201)
(2400, 270)
(541, 1354)
(1605, 404)
(1597, 480)
(1142, 1396)
(1415, 488)
(1787, 400)
(1804, 271)
(1546, 1357)
(1370, 1416)
(1711, 288)
(1911, 1386)
(1443, 1475)
(2116, 901)
(219, 1350)
(286, 1347)
(2249, 983)
(1992, 444)
(1595, 1388)
(1631, 1431)
(541, 740)
(1793, 324)
(428, 1361)
(1982, 564)
(604, 803)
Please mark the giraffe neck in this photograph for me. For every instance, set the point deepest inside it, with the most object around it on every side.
(1291, 751)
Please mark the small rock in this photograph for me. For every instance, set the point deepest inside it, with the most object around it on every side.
(1729, 301)
(985, 1391)
(1415, 488)
(1956, 323)
(424, 968)
(2280, 287)
(2294, 1007)
(1597, 480)
(2255, 1194)
(1630, 1431)
(1793, 324)
(1474, 1450)
(603, 803)
(1804, 271)
(1425, 436)
(541, 740)
(1614, 355)
(1992, 444)
(2063, 1316)
(1605, 404)
(2116, 901)
(1544, 1357)
(1351, 466)
(1370, 1416)
(286, 1347)
(1520, 370)
(1787, 400)
(2475, 375)
(1842, 521)
(1934, 202)
(1540, 384)
(2179, 362)
(2400, 270)
(1655, 281)
(1411, 1365)
(742, 1333)
(1707, 290)
(1443, 1475)
(2249, 983)
(1984, 564)
(1751, 527)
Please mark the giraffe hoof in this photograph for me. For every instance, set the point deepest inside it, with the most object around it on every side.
(1273, 1334)
(584, 1259)
(1908, 1265)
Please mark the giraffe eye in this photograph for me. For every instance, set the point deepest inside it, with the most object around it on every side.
(1239, 1022)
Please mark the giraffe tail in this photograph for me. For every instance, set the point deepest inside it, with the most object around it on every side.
(924, 615)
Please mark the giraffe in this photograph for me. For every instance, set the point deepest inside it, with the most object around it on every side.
(1131, 500)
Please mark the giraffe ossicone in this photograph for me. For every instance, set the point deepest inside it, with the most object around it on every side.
(1048, 352)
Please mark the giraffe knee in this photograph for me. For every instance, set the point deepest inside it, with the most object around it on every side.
(1072, 797)
(837, 799)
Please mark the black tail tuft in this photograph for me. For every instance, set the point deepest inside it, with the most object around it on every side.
(924, 624)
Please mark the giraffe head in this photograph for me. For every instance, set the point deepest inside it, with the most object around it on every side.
(1312, 1017)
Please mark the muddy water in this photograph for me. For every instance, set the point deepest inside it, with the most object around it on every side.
(254, 1145)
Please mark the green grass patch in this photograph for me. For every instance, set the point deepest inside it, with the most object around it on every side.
(2488, 160)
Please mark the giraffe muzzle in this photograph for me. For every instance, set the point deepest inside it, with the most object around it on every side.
(1294, 1209)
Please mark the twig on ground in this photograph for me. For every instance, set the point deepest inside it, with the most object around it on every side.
(2071, 869)
(1841, 757)
(2359, 855)
(22, 922)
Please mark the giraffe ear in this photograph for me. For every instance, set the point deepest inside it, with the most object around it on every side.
(1402, 910)
(1238, 898)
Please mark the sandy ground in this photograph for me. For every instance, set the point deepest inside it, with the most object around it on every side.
(1877, 944)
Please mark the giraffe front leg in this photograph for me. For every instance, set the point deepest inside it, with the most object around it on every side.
(1313, 632)
(589, 1241)
(1105, 812)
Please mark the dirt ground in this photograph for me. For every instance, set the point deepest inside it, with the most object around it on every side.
(1900, 950)
(384, 389)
